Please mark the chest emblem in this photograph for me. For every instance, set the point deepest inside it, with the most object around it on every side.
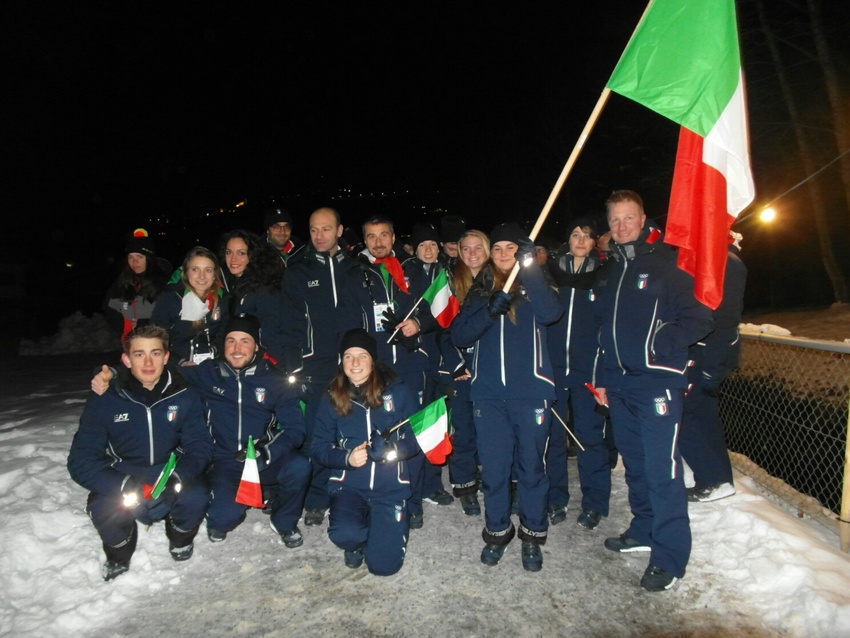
(172, 413)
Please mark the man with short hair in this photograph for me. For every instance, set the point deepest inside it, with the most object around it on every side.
(246, 395)
(647, 317)
(313, 328)
(451, 228)
(125, 440)
(278, 225)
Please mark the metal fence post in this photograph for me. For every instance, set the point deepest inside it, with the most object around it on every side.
(844, 517)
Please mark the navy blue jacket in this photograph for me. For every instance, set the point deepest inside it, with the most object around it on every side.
(647, 316)
(313, 324)
(129, 431)
(511, 360)
(184, 339)
(267, 306)
(572, 339)
(365, 288)
(336, 435)
(257, 401)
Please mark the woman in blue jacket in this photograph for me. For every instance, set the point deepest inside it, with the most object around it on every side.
(512, 391)
(369, 483)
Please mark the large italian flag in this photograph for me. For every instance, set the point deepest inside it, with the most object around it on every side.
(250, 491)
(683, 62)
(431, 427)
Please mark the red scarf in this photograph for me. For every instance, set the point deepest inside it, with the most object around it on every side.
(394, 268)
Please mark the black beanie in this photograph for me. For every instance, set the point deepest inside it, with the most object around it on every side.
(140, 243)
(451, 228)
(424, 232)
(244, 323)
(359, 338)
(585, 221)
(276, 216)
(507, 232)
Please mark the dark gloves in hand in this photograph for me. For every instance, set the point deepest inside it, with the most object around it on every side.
(380, 450)
(526, 253)
(499, 304)
(261, 452)
(390, 321)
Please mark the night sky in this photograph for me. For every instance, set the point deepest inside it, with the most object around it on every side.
(118, 115)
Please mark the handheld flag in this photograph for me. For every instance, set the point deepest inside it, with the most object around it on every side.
(152, 492)
(683, 62)
(431, 427)
(444, 305)
(250, 492)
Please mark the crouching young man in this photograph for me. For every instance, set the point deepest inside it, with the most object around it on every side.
(126, 438)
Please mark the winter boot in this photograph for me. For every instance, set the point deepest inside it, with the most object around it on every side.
(180, 542)
(118, 556)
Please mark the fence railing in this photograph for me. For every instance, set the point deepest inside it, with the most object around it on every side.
(785, 414)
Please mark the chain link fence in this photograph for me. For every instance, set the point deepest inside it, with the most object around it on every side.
(785, 413)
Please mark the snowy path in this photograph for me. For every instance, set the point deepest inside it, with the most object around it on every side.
(755, 570)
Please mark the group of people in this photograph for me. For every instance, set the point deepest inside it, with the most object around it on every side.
(315, 356)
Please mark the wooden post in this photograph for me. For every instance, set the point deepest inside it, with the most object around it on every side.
(844, 515)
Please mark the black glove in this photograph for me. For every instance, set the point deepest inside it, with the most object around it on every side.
(390, 321)
(380, 450)
(526, 253)
(261, 451)
(499, 304)
(156, 509)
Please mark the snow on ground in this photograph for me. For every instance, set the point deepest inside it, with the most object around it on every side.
(755, 570)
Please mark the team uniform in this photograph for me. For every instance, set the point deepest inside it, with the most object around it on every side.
(129, 433)
(187, 342)
(512, 391)
(368, 504)
(255, 401)
(647, 317)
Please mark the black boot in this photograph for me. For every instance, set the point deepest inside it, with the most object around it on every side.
(180, 543)
(118, 556)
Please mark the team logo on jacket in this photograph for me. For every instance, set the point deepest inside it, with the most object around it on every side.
(591, 295)
(539, 416)
(642, 281)
(399, 513)
(172, 412)
(313, 283)
(388, 402)
(260, 394)
(660, 406)
(216, 314)
(120, 418)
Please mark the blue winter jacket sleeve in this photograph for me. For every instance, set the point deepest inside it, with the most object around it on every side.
(88, 462)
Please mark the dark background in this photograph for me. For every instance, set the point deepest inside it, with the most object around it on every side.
(187, 118)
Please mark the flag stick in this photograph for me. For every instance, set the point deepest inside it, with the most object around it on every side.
(406, 317)
(394, 428)
(562, 178)
(570, 432)
(568, 167)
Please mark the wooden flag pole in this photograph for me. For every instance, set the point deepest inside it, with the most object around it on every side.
(406, 317)
(569, 431)
(568, 167)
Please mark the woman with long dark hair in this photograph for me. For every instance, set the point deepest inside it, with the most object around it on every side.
(252, 277)
(194, 308)
(370, 481)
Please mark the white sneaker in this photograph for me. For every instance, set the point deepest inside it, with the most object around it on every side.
(710, 492)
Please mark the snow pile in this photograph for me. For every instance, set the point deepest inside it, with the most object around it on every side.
(77, 333)
(765, 328)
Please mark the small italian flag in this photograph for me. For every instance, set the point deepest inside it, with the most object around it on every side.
(431, 427)
(153, 492)
(444, 305)
(683, 62)
(250, 492)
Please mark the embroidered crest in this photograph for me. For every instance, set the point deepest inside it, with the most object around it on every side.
(660, 406)
(399, 513)
(539, 416)
(172, 413)
(260, 394)
(643, 280)
(216, 315)
(388, 402)
(591, 295)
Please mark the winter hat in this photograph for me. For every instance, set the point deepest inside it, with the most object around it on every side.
(244, 323)
(451, 228)
(424, 232)
(584, 221)
(140, 243)
(507, 232)
(276, 216)
(359, 338)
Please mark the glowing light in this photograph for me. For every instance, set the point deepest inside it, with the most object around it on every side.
(767, 215)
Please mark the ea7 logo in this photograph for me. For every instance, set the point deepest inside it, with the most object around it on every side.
(119, 418)
(313, 284)
(218, 390)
